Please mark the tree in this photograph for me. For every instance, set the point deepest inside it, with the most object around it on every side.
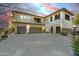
(76, 20)
(75, 42)
(6, 14)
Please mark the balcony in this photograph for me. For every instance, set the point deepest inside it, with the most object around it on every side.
(37, 20)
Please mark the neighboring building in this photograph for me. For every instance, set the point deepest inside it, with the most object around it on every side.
(61, 19)
(53, 23)
(4, 21)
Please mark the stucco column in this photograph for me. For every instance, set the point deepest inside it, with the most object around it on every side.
(71, 21)
(53, 24)
(62, 18)
(42, 21)
(15, 29)
(27, 28)
(54, 29)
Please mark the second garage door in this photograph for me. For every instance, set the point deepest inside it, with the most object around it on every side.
(35, 29)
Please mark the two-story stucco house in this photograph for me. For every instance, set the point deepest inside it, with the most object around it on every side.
(59, 20)
(26, 23)
(53, 23)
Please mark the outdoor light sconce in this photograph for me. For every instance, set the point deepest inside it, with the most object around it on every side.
(74, 26)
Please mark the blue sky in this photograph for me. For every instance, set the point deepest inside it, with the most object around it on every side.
(48, 8)
(44, 9)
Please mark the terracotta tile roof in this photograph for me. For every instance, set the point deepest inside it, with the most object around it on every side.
(63, 9)
(26, 13)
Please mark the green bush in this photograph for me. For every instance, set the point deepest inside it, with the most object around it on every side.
(75, 46)
(64, 32)
(2, 30)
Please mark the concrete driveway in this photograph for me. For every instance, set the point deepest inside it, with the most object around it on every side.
(42, 44)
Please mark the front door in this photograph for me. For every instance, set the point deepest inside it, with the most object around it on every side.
(57, 29)
(51, 29)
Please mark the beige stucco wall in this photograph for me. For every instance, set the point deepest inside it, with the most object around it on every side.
(62, 22)
(67, 24)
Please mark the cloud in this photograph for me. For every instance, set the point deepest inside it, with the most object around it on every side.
(41, 8)
(49, 7)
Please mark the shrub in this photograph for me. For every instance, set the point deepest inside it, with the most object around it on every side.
(64, 32)
(3, 33)
(2, 30)
(75, 46)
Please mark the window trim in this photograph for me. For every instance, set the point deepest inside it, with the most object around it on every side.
(51, 19)
(68, 19)
(57, 16)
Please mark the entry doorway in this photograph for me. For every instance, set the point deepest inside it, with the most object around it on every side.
(57, 29)
(51, 29)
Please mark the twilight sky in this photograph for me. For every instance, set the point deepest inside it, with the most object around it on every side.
(41, 9)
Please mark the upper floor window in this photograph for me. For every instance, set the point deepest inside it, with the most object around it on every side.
(22, 17)
(25, 17)
(51, 19)
(28, 17)
(57, 16)
(67, 17)
(37, 20)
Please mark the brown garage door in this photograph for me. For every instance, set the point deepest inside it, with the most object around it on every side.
(35, 29)
(21, 30)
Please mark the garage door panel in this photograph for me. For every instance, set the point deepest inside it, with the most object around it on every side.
(21, 30)
(35, 30)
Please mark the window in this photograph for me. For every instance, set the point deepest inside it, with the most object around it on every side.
(67, 17)
(51, 19)
(72, 18)
(25, 17)
(28, 17)
(37, 20)
(21, 17)
(57, 16)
